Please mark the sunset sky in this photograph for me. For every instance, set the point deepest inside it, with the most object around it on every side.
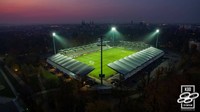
(99, 11)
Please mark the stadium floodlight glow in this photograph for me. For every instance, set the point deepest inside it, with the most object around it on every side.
(53, 34)
(157, 31)
(54, 44)
(113, 28)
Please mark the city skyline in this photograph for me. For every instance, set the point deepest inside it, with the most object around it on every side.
(99, 11)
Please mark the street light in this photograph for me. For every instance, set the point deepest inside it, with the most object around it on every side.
(54, 44)
(157, 31)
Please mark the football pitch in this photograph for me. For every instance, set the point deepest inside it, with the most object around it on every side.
(109, 55)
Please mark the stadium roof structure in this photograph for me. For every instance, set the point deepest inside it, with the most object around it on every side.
(131, 64)
(69, 66)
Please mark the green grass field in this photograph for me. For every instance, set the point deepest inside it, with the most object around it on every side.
(109, 56)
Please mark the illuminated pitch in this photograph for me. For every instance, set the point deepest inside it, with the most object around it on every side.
(109, 55)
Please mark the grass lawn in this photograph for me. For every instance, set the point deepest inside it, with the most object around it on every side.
(109, 56)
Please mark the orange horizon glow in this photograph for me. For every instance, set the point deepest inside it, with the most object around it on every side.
(60, 11)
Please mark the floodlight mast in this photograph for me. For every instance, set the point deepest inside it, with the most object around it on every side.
(101, 75)
(113, 29)
(157, 32)
(54, 44)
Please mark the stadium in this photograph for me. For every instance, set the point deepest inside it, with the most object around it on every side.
(125, 59)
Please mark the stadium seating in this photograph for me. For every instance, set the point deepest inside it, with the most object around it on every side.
(80, 50)
(131, 64)
(133, 45)
(69, 66)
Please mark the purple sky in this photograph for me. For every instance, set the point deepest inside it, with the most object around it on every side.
(73, 11)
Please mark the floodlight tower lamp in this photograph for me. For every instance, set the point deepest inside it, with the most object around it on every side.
(113, 28)
(54, 44)
(157, 31)
(53, 34)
